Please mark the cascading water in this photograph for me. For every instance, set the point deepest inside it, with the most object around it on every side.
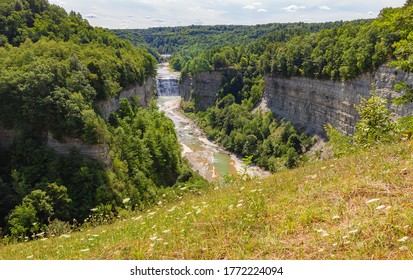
(167, 87)
(206, 157)
(167, 82)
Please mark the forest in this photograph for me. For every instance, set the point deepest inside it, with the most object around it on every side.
(54, 68)
(336, 50)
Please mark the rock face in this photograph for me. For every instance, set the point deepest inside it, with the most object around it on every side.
(144, 93)
(97, 152)
(202, 88)
(306, 102)
(314, 103)
(6, 137)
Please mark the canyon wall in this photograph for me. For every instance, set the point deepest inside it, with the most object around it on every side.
(97, 152)
(144, 93)
(202, 88)
(312, 103)
(309, 103)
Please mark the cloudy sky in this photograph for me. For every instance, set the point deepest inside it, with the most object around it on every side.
(150, 13)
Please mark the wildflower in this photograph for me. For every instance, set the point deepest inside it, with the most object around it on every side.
(354, 231)
(335, 218)
(85, 250)
(172, 209)
(403, 248)
(239, 205)
(65, 236)
(153, 238)
(165, 243)
(30, 257)
(152, 213)
(372, 200)
(403, 239)
(166, 231)
(380, 207)
(197, 212)
(126, 200)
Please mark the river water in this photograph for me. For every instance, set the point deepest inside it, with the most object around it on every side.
(210, 160)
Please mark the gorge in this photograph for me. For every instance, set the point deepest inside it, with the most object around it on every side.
(309, 103)
(206, 157)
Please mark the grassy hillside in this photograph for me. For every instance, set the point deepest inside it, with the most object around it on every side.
(357, 207)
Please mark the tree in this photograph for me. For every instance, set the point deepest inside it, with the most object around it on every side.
(375, 125)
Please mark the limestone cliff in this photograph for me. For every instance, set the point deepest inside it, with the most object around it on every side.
(314, 103)
(144, 93)
(202, 88)
(309, 103)
(97, 152)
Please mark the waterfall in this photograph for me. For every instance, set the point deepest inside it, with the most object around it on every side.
(167, 86)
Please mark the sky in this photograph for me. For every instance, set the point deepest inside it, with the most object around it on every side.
(127, 14)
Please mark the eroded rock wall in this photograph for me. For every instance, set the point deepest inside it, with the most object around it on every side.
(97, 152)
(144, 93)
(202, 88)
(314, 103)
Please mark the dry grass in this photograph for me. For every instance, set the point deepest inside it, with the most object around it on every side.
(358, 207)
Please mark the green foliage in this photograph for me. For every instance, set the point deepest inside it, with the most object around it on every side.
(257, 136)
(56, 69)
(407, 91)
(341, 144)
(375, 125)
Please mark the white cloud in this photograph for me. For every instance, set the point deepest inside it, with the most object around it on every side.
(324, 7)
(212, 12)
(91, 16)
(293, 8)
(249, 7)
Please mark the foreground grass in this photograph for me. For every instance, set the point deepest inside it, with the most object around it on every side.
(358, 207)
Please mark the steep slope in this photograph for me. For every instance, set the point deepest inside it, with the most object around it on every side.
(358, 207)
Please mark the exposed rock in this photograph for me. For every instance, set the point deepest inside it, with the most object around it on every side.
(7, 137)
(144, 93)
(97, 152)
(202, 88)
(309, 103)
(314, 103)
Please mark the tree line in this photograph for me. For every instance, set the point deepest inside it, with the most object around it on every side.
(54, 69)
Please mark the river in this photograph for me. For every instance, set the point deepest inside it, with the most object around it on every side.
(209, 159)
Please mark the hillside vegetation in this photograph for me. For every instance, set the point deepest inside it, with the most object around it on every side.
(54, 70)
(356, 207)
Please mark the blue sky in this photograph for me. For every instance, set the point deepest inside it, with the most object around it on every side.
(150, 13)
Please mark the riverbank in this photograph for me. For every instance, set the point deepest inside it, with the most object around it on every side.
(205, 156)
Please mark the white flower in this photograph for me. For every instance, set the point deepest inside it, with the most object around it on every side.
(403, 239)
(372, 200)
(380, 207)
(335, 218)
(126, 200)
